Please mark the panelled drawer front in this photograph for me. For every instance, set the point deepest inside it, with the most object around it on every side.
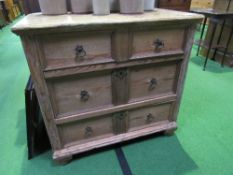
(76, 49)
(86, 130)
(80, 93)
(148, 116)
(153, 80)
(101, 127)
(157, 42)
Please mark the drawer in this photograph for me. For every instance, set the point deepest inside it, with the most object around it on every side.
(149, 81)
(148, 116)
(80, 93)
(66, 50)
(157, 42)
(87, 130)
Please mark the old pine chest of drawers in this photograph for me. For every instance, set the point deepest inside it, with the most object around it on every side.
(101, 80)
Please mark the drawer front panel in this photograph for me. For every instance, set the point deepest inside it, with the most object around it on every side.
(81, 93)
(153, 80)
(157, 42)
(86, 130)
(144, 117)
(76, 49)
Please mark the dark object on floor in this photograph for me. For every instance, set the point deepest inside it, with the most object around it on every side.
(37, 138)
(123, 161)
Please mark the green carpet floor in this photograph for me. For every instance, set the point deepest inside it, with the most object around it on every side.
(202, 145)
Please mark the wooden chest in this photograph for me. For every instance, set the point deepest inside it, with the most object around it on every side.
(104, 80)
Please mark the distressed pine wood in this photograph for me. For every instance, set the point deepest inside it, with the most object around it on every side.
(148, 116)
(68, 97)
(69, 23)
(60, 50)
(120, 45)
(159, 100)
(54, 73)
(183, 69)
(30, 45)
(123, 88)
(120, 122)
(142, 77)
(75, 149)
(144, 41)
(86, 130)
(120, 86)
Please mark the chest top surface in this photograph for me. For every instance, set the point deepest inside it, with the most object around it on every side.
(36, 22)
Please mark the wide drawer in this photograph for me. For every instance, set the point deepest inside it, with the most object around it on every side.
(80, 93)
(157, 42)
(150, 81)
(148, 116)
(64, 50)
(100, 127)
(86, 130)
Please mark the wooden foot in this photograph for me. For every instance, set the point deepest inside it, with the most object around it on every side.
(64, 161)
(169, 132)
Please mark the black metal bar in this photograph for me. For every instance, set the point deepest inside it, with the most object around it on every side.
(228, 6)
(219, 39)
(227, 46)
(123, 162)
(28, 119)
(202, 33)
(210, 44)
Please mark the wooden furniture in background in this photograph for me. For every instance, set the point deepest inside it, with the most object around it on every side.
(181, 5)
(220, 35)
(202, 4)
(4, 19)
(217, 44)
(223, 5)
(30, 6)
(217, 18)
(103, 83)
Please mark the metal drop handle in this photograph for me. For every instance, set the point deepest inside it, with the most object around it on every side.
(88, 131)
(80, 51)
(149, 118)
(152, 84)
(159, 44)
(84, 95)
